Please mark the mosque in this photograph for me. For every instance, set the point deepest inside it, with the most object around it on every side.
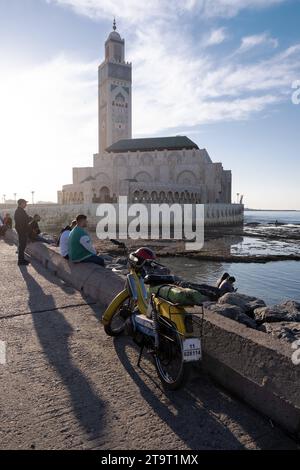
(157, 169)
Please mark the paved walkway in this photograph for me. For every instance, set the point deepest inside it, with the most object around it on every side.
(66, 385)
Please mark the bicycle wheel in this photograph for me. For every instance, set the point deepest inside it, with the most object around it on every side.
(117, 322)
(172, 370)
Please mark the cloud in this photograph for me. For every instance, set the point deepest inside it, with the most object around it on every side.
(189, 86)
(129, 10)
(185, 86)
(230, 8)
(215, 37)
(136, 10)
(249, 42)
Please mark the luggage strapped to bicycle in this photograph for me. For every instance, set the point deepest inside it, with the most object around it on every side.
(194, 316)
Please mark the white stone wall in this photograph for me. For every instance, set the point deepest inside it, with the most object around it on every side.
(56, 216)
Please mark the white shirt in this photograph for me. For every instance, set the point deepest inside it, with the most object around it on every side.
(63, 243)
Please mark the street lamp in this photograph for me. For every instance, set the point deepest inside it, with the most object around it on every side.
(32, 197)
(237, 196)
(15, 196)
(4, 196)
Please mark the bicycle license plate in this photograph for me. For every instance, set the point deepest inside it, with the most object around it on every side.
(192, 350)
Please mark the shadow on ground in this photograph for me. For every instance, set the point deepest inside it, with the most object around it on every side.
(53, 332)
(194, 412)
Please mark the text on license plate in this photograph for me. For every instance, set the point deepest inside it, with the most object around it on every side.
(192, 349)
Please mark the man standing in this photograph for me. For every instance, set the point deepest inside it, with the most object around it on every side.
(80, 245)
(22, 220)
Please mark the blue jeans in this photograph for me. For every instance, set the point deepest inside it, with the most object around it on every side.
(94, 259)
(39, 238)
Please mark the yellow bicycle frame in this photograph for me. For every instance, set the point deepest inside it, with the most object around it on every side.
(141, 302)
(172, 312)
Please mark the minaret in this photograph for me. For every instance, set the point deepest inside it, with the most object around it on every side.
(114, 78)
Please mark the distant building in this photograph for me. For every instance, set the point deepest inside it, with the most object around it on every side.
(159, 169)
(10, 202)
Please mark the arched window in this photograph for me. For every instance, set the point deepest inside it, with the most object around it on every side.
(154, 196)
(104, 194)
(136, 196)
(186, 178)
(143, 176)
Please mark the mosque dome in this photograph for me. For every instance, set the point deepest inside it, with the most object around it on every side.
(114, 35)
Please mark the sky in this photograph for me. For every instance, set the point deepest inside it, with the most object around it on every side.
(219, 71)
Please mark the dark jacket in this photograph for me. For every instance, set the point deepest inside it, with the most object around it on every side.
(33, 230)
(22, 220)
(225, 287)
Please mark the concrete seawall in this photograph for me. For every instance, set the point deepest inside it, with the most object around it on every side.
(90, 280)
(254, 366)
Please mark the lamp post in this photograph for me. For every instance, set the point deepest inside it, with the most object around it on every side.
(237, 197)
(32, 197)
(15, 196)
(4, 196)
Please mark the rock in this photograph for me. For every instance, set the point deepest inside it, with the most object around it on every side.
(288, 311)
(289, 331)
(230, 311)
(247, 303)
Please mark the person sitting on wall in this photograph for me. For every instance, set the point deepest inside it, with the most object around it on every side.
(34, 231)
(227, 285)
(80, 247)
(2, 227)
(7, 221)
(63, 240)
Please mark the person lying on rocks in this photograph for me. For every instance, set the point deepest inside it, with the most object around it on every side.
(80, 247)
(221, 279)
(227, 285)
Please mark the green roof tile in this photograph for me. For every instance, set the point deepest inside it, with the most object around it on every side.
(153, 143)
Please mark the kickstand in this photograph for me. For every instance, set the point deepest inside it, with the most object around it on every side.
(140, 355)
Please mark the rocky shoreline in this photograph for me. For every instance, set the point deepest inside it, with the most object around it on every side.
(232, 258)
(253, 243)
(281, 321)
(272, 231)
